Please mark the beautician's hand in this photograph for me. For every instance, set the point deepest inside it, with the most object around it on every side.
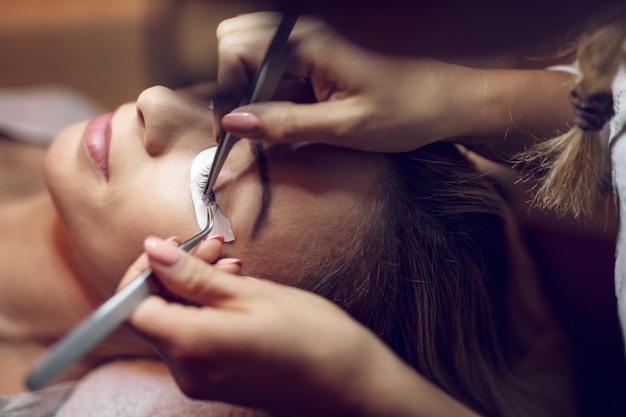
(363, 99)
(377, 102)
(263, 345)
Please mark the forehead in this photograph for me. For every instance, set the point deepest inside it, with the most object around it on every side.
(320, 180)
(320, 198)
(316, 163)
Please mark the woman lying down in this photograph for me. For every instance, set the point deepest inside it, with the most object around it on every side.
(418, 246)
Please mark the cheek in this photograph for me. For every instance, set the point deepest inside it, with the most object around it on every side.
(62, 162)
(108, 233)
(157, 202)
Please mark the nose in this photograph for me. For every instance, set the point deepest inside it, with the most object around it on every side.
(172, 120)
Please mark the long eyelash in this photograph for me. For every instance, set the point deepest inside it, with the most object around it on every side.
(204, 173)
(207, 198)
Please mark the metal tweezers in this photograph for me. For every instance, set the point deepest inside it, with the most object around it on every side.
(114, 312)
(263, 88)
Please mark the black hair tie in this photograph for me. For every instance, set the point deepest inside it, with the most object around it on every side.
(592, 111)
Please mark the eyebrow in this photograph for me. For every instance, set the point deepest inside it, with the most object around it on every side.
(258, 152)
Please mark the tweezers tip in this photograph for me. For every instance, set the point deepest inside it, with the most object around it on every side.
(209, 198)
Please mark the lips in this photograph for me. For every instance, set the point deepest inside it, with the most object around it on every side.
(96, 139)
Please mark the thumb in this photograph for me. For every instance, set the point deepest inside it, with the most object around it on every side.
(288, 122)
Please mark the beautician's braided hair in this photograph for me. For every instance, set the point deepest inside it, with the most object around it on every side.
(428, 274)
(572, 167)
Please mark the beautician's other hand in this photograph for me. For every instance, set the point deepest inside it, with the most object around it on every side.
(362, 99)
(259, 344)
(375, 102)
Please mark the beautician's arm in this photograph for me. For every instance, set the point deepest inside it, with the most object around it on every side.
(371, 101)
(263, 345)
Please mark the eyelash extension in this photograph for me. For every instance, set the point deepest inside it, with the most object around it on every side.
(210, 197)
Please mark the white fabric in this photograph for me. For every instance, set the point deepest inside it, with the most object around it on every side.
(618, 157)
(197, 174)
(43, 403)
(124, 388)
(134, 388)
(572, 68)
(615, 132)
(35, 114)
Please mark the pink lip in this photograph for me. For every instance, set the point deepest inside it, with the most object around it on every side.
(96, 139)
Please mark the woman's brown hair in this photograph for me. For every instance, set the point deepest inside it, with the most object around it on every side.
(428, 274)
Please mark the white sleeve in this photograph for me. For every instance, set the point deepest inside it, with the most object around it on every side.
(572, 68)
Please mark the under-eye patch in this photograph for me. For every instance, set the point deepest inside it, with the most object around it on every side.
(198, 175)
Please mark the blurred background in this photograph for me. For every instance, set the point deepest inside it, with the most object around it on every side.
(64, 61)
(111, 50)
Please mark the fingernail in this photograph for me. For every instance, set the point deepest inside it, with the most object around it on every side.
(207, 243)
(174, 239)
(217, 237)
(230, 261)
(241, 123)
(249, 278)
(161, 251)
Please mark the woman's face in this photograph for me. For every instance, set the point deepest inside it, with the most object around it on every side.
(122, 177)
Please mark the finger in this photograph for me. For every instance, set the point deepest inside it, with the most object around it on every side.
(334, 122)
(136, 268)
(241, 45)
(209, 249)
(155, 318)
(247, 22)
(140, 265)
(192, 278)
(230, 265)
(239, 57)
(174, 327)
